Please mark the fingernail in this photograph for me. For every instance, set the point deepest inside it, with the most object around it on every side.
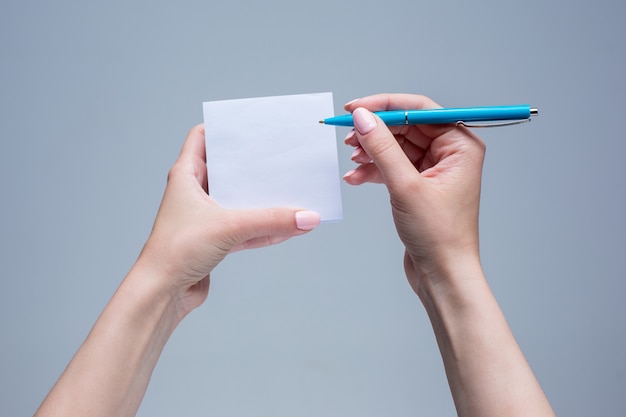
(350, 102)
(307, 220)
(349, 173)
(356, 153)
(364, 121)
(349, 136)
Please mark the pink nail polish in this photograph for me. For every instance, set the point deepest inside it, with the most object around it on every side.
(307, 220)
(364, 121)
(349, 136)
(349, 173)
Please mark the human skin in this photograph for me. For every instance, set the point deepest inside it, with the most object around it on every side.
(110, 372)
(433, 174)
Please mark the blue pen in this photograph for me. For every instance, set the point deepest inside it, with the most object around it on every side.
(492, 115)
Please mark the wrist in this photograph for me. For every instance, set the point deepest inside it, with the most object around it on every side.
(152, 290)
(448, 278)
(145, 292)
(185, 284)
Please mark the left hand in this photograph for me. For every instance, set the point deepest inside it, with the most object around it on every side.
(192, 233)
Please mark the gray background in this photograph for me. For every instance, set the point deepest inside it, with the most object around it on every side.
(96, 99)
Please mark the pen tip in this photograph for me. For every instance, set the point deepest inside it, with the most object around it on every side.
(321, 121)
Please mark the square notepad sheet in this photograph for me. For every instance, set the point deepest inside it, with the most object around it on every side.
(273, 152)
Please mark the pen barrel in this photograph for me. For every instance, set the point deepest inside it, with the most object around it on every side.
(443, 115)
(473, 114)
(394, 117)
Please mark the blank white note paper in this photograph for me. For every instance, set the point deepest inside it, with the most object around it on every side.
(273, 152)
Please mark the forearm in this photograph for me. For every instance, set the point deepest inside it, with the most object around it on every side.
(111, 371)
(487, 371)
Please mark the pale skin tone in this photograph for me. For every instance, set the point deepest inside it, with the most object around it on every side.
(109, 374)
(433, 175)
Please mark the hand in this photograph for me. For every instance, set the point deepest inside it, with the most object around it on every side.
(433, 174)
(192, 233)
(109, 374)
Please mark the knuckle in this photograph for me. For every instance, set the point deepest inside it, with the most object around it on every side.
(174, 171)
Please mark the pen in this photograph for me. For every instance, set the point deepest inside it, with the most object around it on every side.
(502, 115)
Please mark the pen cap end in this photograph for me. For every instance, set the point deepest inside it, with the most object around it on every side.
(534, 111)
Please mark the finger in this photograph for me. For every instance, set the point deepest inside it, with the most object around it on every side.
(259, 242)
(351, 139)
(192, 156)
(194, 146)
(384, 102)
(366, 173)
(360, 156)
(385, 151)
(263, 227)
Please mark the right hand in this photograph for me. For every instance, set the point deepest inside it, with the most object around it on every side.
(433, 174)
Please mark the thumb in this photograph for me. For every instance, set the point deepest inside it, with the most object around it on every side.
(264, 227)
(383, 148)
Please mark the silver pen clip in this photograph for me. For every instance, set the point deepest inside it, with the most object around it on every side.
(533, 112)
(498, 124)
